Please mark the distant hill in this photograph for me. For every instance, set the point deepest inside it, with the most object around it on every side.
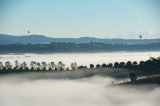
(11, 39)
(75, 47)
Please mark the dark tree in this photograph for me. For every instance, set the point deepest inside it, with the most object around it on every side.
(122, 64)
(129, 64)
(116, 64)
(110, 65)
(32, 69)
(104, 65)
(98, 66)
(135, 63)
(67, 69)
(133, 76)
(91, 66)
(81, 67)
(50, 69)
(141, 63)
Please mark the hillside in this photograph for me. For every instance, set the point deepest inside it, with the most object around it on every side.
(148, 80)
(74, 47)
(12, 39)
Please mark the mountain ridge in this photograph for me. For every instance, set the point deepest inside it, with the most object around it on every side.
(13, 39)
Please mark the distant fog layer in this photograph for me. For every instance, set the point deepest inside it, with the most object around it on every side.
(80, 58)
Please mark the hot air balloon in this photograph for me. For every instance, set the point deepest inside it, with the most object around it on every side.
(28, 32)
(140, 36)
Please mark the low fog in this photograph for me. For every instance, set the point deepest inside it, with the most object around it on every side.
(80, 58)
(24, 90)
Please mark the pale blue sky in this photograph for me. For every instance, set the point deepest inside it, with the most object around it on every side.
(76, 18)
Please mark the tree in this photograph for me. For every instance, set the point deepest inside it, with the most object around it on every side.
(122, 64)
(133, 76)
(116, 64)
(1, 65)
(16, 64)
(104, 65)
(140, 36)
(110, 65)
(21, 68)
(141, 64)
(4, 69)
(39, 67)
(128, 64)
(53, 66)
(24, 65)
(98, 66)
(32, 69)
(135, 63)
(74, 66)
(8, 65)
(148, 65)
(44, 65)
(67, 68)
(91, 66)
(81, 67)
(33, 65)
(61, 66)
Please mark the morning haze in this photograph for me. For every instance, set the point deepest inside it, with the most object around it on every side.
(79, 53)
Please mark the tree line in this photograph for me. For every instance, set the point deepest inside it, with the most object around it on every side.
(144, 66)
(7, 67)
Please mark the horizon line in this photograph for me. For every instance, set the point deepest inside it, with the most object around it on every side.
(79, 37)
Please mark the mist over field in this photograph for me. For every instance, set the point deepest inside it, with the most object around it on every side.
(23, 90)
(79, 52)
(80, 58)
(90, 87)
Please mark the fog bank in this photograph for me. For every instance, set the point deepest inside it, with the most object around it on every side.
(80, 58)
(92, 91)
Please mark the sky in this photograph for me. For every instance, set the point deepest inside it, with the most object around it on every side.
(79, 18)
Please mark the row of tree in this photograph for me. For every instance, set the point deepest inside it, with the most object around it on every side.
(7, 67)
